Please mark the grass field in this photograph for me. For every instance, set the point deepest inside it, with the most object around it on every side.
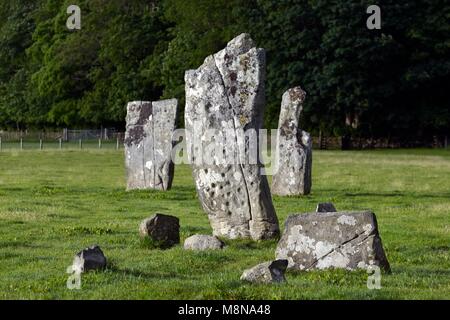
(54, 203)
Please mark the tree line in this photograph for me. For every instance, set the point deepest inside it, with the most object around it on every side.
(359, 82)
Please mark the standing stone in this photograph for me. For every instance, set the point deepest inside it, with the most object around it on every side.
(322, 240)
(227, 94)
(163, 230)
(148, 144)
(266, 272)
(91, 258)
(293, 150)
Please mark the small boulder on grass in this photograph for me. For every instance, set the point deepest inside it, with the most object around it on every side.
(91, 258)
(203, 242)
(325, 207)
(266, 272)
(161, 230)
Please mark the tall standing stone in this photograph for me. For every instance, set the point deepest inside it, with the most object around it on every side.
(293, 150)
(148, 144)
(227, 94)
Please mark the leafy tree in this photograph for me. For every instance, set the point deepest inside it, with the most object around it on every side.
(370, 83)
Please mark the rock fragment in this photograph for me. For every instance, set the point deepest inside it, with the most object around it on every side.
(203, 242)
(162, 230)
(266, 272)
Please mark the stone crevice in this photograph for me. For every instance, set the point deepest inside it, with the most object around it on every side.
(236, 140)
(358, 235)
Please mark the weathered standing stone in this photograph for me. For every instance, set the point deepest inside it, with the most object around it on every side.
(322, 240)
(203, 242)
(148, 144)
(163, 230)
(293, 150)
(266, 272)
(325, 207)
(91, 258)
(227, 94)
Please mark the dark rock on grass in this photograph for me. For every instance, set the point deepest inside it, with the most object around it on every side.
(162, 230)
(325, 207)
(323, 240)
(203, 242)
(266, 272)
(91, 258)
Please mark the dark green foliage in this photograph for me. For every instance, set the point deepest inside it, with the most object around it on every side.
(359, 82)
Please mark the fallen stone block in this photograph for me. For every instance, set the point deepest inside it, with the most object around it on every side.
(322, 240)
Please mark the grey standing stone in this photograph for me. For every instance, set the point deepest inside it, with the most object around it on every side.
(203, 242)
(226, 94)
(266, 272)
(322, 240)
(148, 144)
(325, 207)
(91, 258)
(293, 150)
(163, 230)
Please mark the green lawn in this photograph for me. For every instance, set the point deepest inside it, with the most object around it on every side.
(54, 203)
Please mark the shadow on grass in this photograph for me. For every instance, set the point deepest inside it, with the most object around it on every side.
(342, 194)
(245, 244)
(145, 274)
(399, 194)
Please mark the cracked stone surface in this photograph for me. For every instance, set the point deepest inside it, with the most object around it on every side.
(163, 230)
(91, 258)
(322, 240)
(148, 144)
(266, 272)
(203, 242)
(227, 93)
(294, 148)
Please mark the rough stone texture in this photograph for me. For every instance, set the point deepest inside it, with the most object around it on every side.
(227, 93)
(325, 207)
(163, 230)
(203, 242)
(294, 148)
(91, 258)
(148, 144)
(266, 272)
(323, 240)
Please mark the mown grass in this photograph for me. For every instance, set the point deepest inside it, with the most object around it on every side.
(54, 203)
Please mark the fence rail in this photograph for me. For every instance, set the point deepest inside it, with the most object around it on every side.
(81, 139)
(111, 138)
